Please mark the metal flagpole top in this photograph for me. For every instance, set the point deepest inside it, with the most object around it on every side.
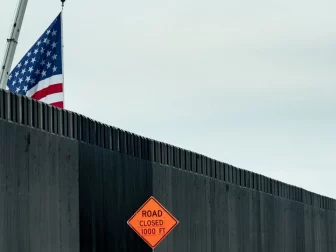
(62, 3)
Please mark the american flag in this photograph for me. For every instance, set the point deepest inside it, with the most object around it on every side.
(39, 74)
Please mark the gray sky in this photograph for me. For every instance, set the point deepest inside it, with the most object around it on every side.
(249, 83)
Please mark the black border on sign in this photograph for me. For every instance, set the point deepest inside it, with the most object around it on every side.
(156, 244)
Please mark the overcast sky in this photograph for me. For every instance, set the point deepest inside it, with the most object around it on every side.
(250, 83)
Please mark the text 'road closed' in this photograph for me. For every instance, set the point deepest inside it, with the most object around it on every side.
(152, 222)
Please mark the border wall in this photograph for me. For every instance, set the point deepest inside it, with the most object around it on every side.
(69, 183)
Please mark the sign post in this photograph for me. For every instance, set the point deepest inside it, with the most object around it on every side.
(152, 222)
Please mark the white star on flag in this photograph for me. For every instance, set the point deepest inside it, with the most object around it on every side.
(41, 78)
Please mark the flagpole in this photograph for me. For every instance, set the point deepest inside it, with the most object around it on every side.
(62, 46)
(11, 43)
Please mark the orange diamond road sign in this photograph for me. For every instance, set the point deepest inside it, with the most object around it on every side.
(152, 222)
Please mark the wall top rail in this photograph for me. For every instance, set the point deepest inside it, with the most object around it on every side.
(25, 111)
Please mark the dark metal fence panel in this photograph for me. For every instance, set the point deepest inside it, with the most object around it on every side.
(23, 110)
(100, 135)
(247, 179)
(130, 144)
(164, 154)
(207, 166)
(182, 164)
(3, 105)
(137, 146)
(39, 196)
(219, 216)
(7, 107)
(203, 165)
(80, 196)
(217, 169)
(157, 152)
(193, 162)
(221, 171)
(112, 188)
(187, 160)
(144, 149)
(170, 154)
(212, 172)
(122, 142)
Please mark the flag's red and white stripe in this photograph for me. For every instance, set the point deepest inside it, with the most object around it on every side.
(49, 91)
